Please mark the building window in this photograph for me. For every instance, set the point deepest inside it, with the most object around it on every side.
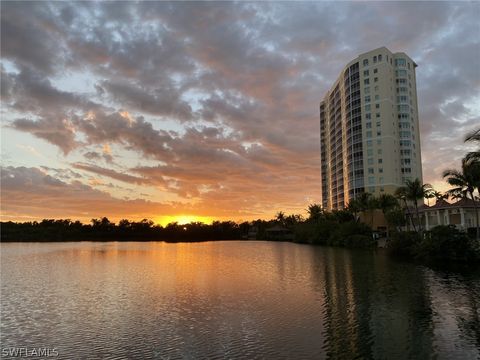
(365, 72)
(379, 142)
(369, 125)
(368, 115)
(377, 115)
(380, 170)
(365, 62)
(379, 57)
(375, 59)
(371, 180)
(379, 151)
(371, 171)
(367, 107)
(369, 134)
(379, 133)
(367, 90)
(375, 79)
(379, 123)
(366, 81)
(377, 97)
(370, 161)
(367, 99)
(401, 73)
(375, 70)
(377, 106)
(370, 152)
(369, 143)
(376, 87)
(380, 161)
(400, 62)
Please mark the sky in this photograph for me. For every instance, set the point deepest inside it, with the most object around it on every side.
(179, 111)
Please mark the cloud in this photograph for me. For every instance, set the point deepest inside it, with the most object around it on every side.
(217, 104)
(112, 174)
(162, 101)
(31, 193)
(57, 131)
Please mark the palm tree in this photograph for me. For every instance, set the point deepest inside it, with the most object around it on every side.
(465, 183)
(439, 196)
(473, 155)
(354, 208)
(401, 194)
(430, 194)
(417, 191)
(364, 203)
(386, 202)
(280, 217)
(314, 212)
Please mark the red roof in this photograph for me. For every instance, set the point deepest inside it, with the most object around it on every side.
(442, 204)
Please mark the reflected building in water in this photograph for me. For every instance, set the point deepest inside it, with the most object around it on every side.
(368, 314)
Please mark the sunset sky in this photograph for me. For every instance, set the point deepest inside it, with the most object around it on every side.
(200, 111)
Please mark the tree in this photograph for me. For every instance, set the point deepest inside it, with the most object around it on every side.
(439, 196)
(315, 212)
(473, 156)
(280, 217)
(430, 194)
(387, 203)
(465, 183)
(372, 205)
(417, 191)
(401, 194)
(354, 208)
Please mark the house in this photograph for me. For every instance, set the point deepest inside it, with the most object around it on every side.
(461, 214)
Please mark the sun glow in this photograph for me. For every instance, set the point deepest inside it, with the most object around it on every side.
(182, 219)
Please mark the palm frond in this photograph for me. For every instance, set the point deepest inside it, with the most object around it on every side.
(473, 136)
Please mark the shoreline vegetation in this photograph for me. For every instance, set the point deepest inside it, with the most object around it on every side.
(404, 234)
(338, 228)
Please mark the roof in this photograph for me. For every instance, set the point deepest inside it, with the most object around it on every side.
(442, 204)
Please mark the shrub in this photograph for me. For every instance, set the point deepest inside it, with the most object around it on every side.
(446, 242)
(352, 234)
(402, 244)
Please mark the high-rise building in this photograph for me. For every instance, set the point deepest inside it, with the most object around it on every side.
(369, 132)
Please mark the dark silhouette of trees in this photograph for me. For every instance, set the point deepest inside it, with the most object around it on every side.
(473, 156)
(465, 182)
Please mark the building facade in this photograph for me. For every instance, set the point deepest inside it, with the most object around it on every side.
(369, 130)
(461, 214)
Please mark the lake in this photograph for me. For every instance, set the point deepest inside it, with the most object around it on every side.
(233, 300)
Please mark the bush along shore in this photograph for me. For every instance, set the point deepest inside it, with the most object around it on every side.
(337, 228)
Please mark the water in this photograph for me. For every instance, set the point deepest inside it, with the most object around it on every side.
(227, 300)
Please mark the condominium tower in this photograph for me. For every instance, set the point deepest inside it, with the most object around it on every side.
(369, 132)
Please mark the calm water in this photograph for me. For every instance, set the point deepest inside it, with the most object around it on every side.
(224, 300)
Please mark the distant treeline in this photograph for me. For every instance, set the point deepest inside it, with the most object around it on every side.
(337, 228)
(104, 229)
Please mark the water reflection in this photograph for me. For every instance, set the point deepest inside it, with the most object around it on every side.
(233, 300)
